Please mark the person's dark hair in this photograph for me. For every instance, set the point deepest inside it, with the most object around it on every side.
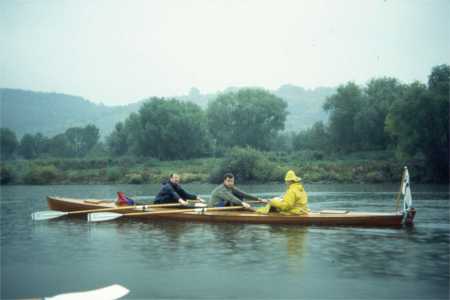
(228, 175)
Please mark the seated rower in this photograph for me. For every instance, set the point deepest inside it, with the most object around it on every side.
(227, 194)
(172, 192)
(295, 200)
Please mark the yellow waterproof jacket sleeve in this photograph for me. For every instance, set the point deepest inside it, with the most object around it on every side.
(295, 197)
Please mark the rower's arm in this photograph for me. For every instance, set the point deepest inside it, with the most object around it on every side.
(242, 195)
(228, 196)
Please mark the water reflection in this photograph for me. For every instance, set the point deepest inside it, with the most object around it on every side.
(356, 252)
(294, 241)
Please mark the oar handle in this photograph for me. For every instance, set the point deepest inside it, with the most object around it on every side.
(100, 210)
(123, 208)
(255, 201)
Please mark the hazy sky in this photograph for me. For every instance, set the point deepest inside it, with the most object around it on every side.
(119, 52)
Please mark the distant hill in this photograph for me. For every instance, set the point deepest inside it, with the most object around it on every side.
(52, 113)
(304, 106)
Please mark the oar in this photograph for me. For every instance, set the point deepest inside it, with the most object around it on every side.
(53, 214)
(106, 216)
(256, 201)
(114, 291)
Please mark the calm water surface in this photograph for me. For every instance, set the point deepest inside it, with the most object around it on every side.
(171, 260)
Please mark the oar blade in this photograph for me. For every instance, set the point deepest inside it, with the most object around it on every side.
(47, 215)
(103, 216)
(114, 291)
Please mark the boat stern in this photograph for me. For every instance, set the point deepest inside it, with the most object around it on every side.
(409, 216)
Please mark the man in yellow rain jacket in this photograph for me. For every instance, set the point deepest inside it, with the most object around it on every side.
(295, 200)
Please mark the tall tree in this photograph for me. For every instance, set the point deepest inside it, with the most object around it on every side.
(8, 143)
(91, 135)
(82, 139)
(419, 121)
(28, 147)
(59, 146)
(117, 141)
(343, 108)
(315, 138)
(248, 117)
(379, 95)
(166, 129)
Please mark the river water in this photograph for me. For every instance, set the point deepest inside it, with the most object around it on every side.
(174, 260)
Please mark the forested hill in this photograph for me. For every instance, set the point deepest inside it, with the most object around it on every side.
(52, 113)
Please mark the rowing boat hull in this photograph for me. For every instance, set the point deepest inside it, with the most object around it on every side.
(315, 218)
(364, 219)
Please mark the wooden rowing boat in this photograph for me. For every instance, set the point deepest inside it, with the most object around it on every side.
(404, 215)
(71, 204)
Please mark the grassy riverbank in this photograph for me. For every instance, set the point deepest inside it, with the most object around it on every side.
(247, 165)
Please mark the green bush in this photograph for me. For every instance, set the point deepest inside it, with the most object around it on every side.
(308, 155)
(192, 177)
(7, 175)
(247, 165)
(134, 178)
(113, 174)
(41, 175)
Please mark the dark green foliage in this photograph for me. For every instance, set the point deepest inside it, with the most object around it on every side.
(248, 117)
(413, 119)
(59, 146)
(357, 115)
(33, 146)
(134, 178)
(8, 143)
(27, 147)
(81, 140)
(7, 175)
(438, 81)
(379, 95)
(117, 141)
(113, 174)
(343, 107)
(247, 165)
(41, 174)
(165, 129)
(315, 138)
(419, 122)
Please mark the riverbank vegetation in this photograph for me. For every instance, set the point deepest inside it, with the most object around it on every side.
(371, 132)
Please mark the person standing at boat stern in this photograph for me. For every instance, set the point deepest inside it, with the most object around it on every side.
(295, 200)
(172, 192)
(227, 194)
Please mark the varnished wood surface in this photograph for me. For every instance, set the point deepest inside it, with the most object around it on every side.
(368, 219)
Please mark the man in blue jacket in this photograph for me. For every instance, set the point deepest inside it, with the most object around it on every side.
(172, 192)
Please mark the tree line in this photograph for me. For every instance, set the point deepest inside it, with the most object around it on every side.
(74, 142)
(385, 114)
(410, 119)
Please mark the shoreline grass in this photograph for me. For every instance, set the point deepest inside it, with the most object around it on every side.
(205, 170)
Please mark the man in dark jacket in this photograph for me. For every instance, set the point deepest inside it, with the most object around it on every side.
(172, 192)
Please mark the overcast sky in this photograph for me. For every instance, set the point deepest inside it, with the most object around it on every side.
(118, 52)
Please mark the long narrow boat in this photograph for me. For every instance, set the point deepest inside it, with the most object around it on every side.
(403, 215)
